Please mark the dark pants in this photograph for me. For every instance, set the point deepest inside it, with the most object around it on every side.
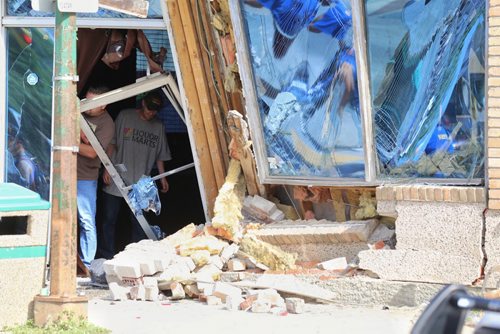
(111, 206)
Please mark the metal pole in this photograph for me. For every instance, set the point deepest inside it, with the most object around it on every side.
(65, 148)
(65, 142)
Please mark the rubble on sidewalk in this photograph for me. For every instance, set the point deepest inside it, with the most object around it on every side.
(232, 261)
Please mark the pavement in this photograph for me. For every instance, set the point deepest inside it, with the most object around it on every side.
(191, 316)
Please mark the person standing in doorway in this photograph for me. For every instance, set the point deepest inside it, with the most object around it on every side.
(139, 143)
(88, 165)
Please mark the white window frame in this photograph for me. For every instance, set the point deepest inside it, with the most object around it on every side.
(366, 113)
(101, 23)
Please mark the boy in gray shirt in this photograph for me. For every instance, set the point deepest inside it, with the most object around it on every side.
(139, 143)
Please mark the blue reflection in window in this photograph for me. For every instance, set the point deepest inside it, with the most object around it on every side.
(427, 81)
(304, 68)
(29, 101)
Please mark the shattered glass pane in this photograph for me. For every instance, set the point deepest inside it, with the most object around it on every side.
(427, 77)
(23, 8)
(304, 68)
(29, 103)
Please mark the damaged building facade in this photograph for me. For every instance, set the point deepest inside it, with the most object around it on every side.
(365, 119)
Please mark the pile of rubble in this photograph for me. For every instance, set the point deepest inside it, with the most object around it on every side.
(194, 264)
(218, 262)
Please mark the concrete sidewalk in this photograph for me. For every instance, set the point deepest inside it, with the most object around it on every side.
(189, 316)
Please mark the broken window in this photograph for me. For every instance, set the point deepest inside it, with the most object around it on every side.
(303, 67)
(424, 86)
(29, 104)
(427, 78)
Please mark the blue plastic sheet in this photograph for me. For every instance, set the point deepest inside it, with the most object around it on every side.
(144, 196)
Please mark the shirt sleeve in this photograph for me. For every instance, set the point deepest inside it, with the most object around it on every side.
(163, 149)
(105, 133)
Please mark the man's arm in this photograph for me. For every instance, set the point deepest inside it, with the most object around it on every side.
(87, 150)
(163, 180)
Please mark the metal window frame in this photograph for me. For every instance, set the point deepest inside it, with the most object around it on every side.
(372, 170)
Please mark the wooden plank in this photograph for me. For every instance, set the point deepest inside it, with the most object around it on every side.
(193, 111)
(201, 86)
(211, 66)
(240, 150)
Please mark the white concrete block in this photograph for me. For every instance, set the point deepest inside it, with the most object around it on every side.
(118, 292)
(223, 290)
(295, 305)
(228, 252)
(339, 263)
(441, 227)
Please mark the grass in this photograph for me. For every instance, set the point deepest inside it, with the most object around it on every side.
(68, 322)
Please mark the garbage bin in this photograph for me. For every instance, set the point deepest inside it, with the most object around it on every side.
(24, 219)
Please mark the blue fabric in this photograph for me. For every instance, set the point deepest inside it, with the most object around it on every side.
(144, 196)
(336, 21)
(291, 16)
(86, 202)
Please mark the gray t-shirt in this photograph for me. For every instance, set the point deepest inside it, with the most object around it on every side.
(139, 144)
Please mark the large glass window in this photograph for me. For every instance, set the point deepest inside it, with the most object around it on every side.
(427, 82)
(304, 69)
(29, 106)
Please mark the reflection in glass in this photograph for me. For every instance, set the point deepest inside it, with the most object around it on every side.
(23, 8)
(427, 82)
(29, 102)
(304, 69)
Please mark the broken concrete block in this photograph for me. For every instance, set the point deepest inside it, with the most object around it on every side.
(223, 290)
(247, 303)
(271, 297)
(210, 243)
(229, 276)
(123, 268)
(112, 279)
(260, 307)
(295, 305)
(205, 282)
(381, 233)
(177, 290)
(233, 302)
(118, 292)
(339, 263)
(216, 261)
(201, 257)
(263, 205)
(213, 300)
(211, 269)
(150, 281)
(176, 272)
(192, 290)
(236, 265)
(184, 261)
(277, 215)
(145, 261)
(267, 254)
(138, 292)
(151, 293)
(228, 252)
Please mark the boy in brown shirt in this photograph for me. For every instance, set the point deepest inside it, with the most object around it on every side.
(88, 174)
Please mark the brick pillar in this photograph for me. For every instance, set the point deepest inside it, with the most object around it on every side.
(493, 111)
